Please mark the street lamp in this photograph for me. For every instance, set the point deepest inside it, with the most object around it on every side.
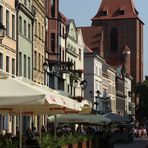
(2, 31)
(45, 66)
(97, 98)
(83, 85)
(75, 85)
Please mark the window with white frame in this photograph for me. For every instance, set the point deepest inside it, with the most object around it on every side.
(20, 24)
(7, 22)
(25, 28)
(29, 35)
(25, 66)
(13, 26)
(96, 70)
(96, 85)
(20, 64)
(13, 66)
(7, 63)
(29, 67)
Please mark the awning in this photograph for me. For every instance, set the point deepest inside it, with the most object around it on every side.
(115, 118)
(79, 118)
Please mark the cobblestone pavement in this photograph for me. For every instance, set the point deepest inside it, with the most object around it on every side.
(137, 143)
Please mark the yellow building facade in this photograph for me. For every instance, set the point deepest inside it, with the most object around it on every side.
(8, 52)
(38, 40)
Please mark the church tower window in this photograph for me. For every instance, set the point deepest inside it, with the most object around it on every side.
(114, 39)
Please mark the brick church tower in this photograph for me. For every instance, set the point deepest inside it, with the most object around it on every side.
(123, 35)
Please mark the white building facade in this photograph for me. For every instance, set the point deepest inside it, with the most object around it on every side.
(75, 55)
(93, 75)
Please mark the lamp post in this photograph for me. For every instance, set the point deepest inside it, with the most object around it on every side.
(45, 66)
(97, 98)
(2, 31)
(75, 85)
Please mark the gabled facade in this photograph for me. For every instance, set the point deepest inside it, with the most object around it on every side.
(93, 75)
(39, 41)
(8, 52)
(8, 43)
(121, 26)
(75, 55)
(120, 91)
(112, 87)
(25, 20)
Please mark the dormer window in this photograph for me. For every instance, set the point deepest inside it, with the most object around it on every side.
(104, 13)
(121, 12)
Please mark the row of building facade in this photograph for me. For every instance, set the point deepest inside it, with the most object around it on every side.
(41, 44)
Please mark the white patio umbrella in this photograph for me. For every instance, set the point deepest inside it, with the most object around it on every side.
(18, 96)
(16, 93)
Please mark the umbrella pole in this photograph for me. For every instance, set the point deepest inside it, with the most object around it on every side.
(55, 127)
(20, 129)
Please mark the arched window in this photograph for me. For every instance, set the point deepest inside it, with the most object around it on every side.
(114, 39)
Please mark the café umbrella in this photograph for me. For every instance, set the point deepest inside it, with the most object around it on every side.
(22, 96)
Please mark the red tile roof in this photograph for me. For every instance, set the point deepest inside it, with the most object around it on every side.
(92, 37)
(115, 60)
(113, 8)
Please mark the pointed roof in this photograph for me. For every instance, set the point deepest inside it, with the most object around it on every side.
(92, 37)
(126, 49)
(116, 9)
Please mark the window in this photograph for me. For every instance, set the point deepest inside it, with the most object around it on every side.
(13, 66)
(39, 30)
(35, 59)
(20, 24)
(63, 55)
(96, 85)
(13, 26)
(60, 29)
(1, 14)
(29, 31)
(96, 70)
(35, 26)
(104, 13)
(39, 60)
(1, 61)
(7, 64)
(28, 67)
(80, 54)
(25, 66)
(52, 8)
(121, 12)
(53, 42)
(7, 22)
(113, 39)
(63, 33)
(20, 64)
(24, 28)
(42, 33)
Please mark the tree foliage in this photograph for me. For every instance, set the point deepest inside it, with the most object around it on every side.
(142, 92)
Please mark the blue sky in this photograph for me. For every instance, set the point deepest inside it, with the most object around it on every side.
(83, 10)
